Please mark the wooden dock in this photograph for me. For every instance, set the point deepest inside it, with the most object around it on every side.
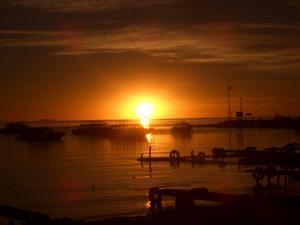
(167, 159)
(184, 199)
(181, 159)
(247, 156)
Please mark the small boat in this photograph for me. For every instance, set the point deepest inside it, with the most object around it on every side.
(14, 128)
(40, 134)
(182, 128)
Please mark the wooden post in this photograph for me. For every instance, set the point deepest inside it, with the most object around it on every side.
(150, 148)
(155, 198)
(192, 157)
(142, 161)
(150, 167)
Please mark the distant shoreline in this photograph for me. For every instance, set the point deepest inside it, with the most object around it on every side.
(274, 123)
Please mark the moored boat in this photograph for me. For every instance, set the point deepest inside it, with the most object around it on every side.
(112, 131)
(182, 128)
(92, 130)
(14, 128)
(40, 134)
(129, 131)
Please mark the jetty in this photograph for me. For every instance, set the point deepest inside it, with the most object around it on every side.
(184, 199)
(288, 155)
(175, 157)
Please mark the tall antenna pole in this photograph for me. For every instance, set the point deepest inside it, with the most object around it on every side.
(228, 93)
(241, 104)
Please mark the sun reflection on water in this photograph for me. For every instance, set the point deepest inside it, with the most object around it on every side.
(148, 204)
(149, 137)
(144, 111)
(145, 122)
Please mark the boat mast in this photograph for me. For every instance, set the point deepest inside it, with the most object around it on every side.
(228, 94)
(241, 104)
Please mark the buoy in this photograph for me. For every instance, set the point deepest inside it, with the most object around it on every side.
(174, 155)
(201, 157)
(258, 174)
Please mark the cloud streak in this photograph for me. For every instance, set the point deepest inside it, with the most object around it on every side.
(258, 34)
(85, 5)
(232, 43)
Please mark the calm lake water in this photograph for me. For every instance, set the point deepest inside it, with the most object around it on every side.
(95, 178)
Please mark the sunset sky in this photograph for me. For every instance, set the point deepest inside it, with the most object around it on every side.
(99, 59)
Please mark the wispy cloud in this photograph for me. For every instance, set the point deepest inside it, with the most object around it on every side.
(184, 31)
(82, 5)
(273, 45)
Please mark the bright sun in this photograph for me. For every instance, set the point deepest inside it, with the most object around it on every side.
(144, 112)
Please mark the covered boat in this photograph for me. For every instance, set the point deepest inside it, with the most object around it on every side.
(182, 128)
(112, 131)
(40, 134)
(92, 129)
(14, 128)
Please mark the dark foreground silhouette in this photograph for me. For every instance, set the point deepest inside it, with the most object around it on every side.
(232, 209)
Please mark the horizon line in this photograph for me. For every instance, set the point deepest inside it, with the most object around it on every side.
(98, 120)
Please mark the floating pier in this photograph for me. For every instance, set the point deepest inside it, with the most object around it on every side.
(287, 155)
(174, 157)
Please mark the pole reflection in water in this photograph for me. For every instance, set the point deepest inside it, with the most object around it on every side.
(229, 139)
(240, 138)
(150, 166)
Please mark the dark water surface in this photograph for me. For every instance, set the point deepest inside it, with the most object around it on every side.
(95, 177)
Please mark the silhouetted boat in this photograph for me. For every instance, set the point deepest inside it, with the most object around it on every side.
(92, 129)
(40, 134)
(128, 131)
(14, 128)
(182, 128)
(112, 131)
